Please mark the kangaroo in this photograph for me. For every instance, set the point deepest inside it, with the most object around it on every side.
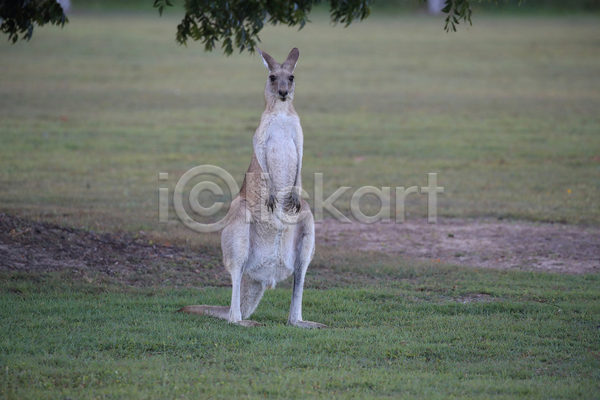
(269, 232)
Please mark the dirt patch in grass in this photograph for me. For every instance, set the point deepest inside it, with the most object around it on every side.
(32, 247)
(476, 298)
(136, 259)
(477, 243)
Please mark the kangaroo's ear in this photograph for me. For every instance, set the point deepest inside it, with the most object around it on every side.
(292, 60)
(269, 62)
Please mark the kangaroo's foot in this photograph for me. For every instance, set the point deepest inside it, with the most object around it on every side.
(217, 311)
(248, 323)
(214, 311)
(308, 324)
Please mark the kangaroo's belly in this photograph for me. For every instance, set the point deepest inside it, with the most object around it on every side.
(271, 257)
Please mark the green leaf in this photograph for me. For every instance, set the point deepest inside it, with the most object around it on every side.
(242, 20)
(447, 7)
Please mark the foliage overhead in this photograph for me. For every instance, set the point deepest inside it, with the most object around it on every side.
(19, 17)
(236, 23)
(456, 10)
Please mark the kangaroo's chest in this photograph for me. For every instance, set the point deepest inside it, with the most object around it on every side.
(281, 152)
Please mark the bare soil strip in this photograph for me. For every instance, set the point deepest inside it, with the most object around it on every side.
(477, 243)
(38, 247)
(29, 246)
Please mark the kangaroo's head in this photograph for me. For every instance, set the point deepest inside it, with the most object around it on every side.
(280, 84)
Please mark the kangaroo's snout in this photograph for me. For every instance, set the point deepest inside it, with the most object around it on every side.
(283, 88)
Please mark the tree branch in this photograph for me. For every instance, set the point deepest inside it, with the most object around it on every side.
(19, 17)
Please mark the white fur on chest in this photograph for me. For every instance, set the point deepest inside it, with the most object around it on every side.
(279, 136)
(278, 149)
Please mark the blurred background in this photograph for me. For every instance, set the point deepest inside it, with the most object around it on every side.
(505, 111)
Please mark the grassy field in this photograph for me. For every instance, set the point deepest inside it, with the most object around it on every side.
(410, 332)
(506, 112)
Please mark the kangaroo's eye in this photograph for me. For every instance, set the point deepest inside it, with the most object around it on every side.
(272, 78)
(291, 78)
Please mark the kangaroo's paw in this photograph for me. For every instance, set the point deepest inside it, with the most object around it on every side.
(308, 325)
(271, 202)
(294, 204)
(214, 311)
(247, 322)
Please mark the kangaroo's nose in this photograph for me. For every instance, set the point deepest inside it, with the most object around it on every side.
(283, 93)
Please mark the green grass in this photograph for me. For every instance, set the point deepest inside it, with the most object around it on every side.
(505, 112)
(414, 334)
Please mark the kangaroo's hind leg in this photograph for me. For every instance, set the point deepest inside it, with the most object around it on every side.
(235, 243)
(251, 292)
(304, 249)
